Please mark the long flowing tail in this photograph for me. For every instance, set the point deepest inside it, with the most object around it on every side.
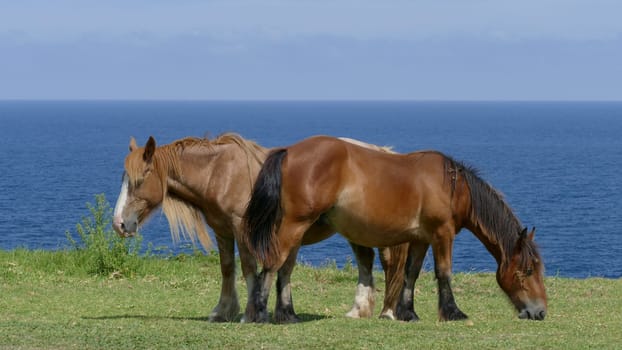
(263, 213)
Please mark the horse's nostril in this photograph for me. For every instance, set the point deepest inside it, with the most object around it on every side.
(123, 226)
(541, 315)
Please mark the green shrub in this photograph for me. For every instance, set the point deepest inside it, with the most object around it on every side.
(102, 250)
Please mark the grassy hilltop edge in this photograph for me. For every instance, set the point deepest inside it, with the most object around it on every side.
(105, 292)
(51, 300)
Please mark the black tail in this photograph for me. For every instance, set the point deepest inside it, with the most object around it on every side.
(263, 213)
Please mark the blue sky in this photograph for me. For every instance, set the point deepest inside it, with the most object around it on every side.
(311, 49)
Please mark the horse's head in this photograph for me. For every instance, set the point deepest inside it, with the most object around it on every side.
(522, 278)
(141, 191)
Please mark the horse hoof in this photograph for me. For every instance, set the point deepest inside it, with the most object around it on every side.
(454, 315)
(359, 313)
(286, 318)
(289, 321)
(409, 316)
(256, 318)
(414, 319)
(388, 315)
(223, 316)
(353, 314)
(217, 319)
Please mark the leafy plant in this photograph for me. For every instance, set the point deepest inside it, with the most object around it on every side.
(103, 251)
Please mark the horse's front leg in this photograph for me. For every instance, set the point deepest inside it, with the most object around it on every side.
(228, 306)
(405, 309)
(442, 248)
(364, 300)
(284, 309)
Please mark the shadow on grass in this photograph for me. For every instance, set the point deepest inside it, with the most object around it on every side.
(303, 318)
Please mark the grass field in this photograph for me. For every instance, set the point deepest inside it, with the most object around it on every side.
(49, 300)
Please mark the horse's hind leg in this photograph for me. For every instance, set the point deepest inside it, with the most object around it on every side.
(249, 271)
(364, 300)
(405, 309)
(256, 310)
(290, 237)
(393, 260)
(442, 248)
(284, 309)
(228, 306)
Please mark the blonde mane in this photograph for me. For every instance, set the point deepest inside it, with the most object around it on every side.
(185, 220)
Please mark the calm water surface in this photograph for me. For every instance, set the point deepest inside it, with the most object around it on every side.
(558, 164)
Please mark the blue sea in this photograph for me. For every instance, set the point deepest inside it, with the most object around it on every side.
(559, 164)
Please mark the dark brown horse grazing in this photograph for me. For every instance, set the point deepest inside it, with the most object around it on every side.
(200, 179)
(376, 200)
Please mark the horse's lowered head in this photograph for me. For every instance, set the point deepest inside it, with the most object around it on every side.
(142, 189)
(522, 278)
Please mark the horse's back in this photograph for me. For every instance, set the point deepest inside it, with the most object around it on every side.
(393, 197)
(363, 192)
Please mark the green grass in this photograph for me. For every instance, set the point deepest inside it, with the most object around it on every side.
(101, 293)
(49, 301)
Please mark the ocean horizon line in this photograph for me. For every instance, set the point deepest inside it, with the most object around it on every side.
(311, 100)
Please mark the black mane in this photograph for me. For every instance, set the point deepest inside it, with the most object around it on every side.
(491, 212)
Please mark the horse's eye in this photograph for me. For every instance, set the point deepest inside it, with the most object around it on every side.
(136, 183)
(529, 272)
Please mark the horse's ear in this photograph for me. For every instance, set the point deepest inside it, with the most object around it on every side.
(149, 149)
(522, 236)
(133, 144)
(532, 234)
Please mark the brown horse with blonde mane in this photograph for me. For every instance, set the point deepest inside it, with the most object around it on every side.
(378, 199)
(198, 181)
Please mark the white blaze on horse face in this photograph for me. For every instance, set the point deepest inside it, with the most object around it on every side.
(121, 203)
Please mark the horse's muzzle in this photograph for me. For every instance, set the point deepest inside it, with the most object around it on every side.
(120, 228)
(532, 314)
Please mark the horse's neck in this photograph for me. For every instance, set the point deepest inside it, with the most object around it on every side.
(487, 216)
(203, 173)
(493, 247)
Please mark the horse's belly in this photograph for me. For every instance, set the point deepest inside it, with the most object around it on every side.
(375, 231)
